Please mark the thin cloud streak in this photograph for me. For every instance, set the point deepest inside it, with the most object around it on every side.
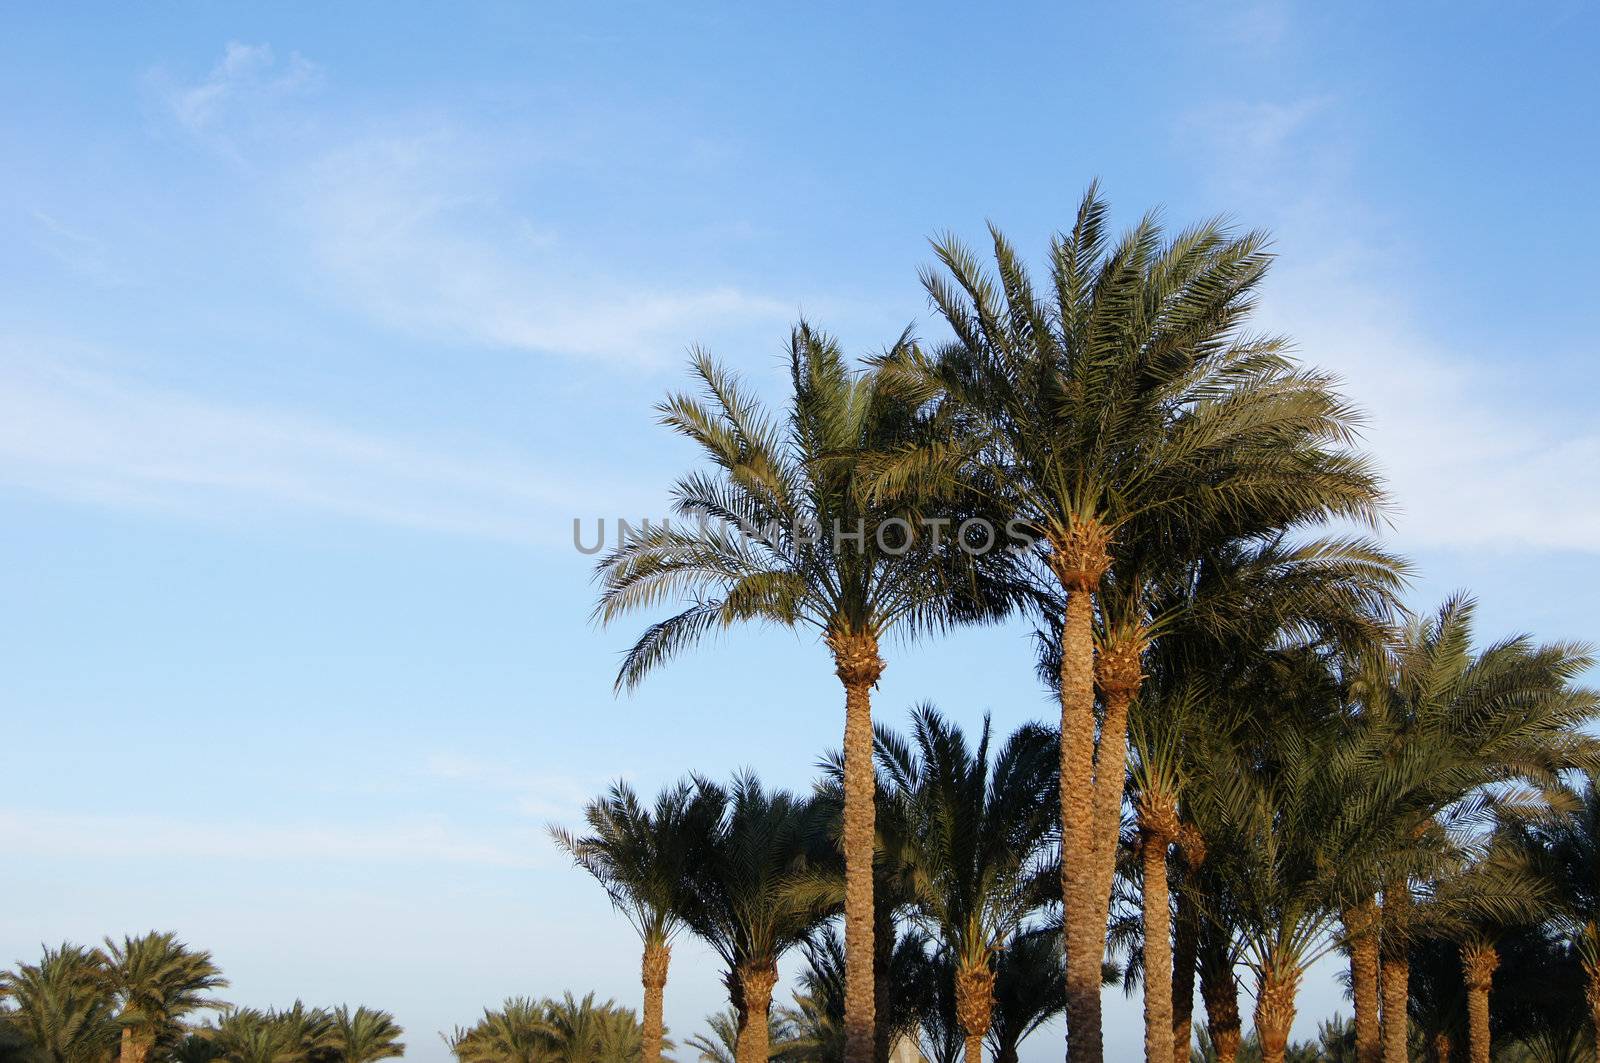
(91, 438)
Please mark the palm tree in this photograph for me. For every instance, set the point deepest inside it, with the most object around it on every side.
(977, 834)
(249, 1035)
(516, 1032)
(1029, 990)
(1567, 845)
(749, 900)
(157, 980)
(1123, 409)
(61, 1006)
(784, 533)
(643, 858)
(365, 1035)
(1449, 723)
(722, 1044)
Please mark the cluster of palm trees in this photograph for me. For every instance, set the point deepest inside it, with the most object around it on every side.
(523, 1030)
(1261, 757)
(133, 1001)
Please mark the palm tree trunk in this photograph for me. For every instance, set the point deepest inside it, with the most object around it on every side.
(1083, 940)
(975, 1006)
(1361, 930)
(1219, 988)
(1275, 1011)
(1185, 943)
(1591, 992)
(1157, 822)
(653, 973)
(756, 982)
(1478, 962)
(126, 1051)
(1395, 973)
(858, 666)
(883, 942)
(1440, 1047)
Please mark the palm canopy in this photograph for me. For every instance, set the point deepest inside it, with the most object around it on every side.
(748, 896)
(643, 856)
(365, 1035)
(780, 529)
(158, 980)
(61, 1007)
(977, 827)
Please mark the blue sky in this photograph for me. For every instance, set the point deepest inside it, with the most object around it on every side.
(318, 328)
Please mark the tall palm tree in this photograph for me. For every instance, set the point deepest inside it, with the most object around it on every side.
(643, 857)
(1126, 406)
(1450, 722)
(978, 831)
(1567, 848)
(365, 1035)
(747, 900)
(157, 980)
(61, 1006)
(784, 532)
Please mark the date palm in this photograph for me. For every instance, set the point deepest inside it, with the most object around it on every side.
(1125, 406)
(364, 1035)
(978, 830)
(783, 532)
(61, 1006)
(747, 897)
(1566, 848)
(1029, 990)
(643, 858)
(157, 980)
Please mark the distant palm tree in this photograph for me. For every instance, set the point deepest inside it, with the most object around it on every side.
(1566, 847)
(365, 1035)
(158, 980)
(61, 1006)
(977, 833)
(748, 904)
(250, 1035)
(516, 1032)
(1029, 990)
(644, 858)
(784, 532)
(721, 1044)
(1123, 412)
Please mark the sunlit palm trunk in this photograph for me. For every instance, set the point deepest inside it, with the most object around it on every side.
(1219, 988)
(1478, 963)
(1157, 824)
(1361, 928)
(858, 666)
(133, 1048)
(1395, 972)
(1185, 945)
(757, 981)
(1084, 941)
(975, 1007)
(653, 973)
(1440, 1048)
(1275, 1004)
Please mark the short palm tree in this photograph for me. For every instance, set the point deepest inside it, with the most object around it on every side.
(720, 1044)
(61, 1006)
(1566, 847)
(978, 831)
(516, 1032)
(644, 858)
(1029, 990)
(157, 980)
(783, 532)
(1123, 412)
(747, 897)
(249, 1035)
(364, 1035)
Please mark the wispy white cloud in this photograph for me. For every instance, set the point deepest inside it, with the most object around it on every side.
(411, 220)
(43, 833)
(94, 438)
(1471, 462)
(545, 796)
(246, 73)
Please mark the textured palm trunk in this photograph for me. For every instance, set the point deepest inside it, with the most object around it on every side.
(883, 940)
(1084, 941)
(134, 1048)
(858, 666)
(653, 974)
(1395, 972)
(1361, 930)
(1219, 989)
(975, 1006)
(1439, 1047)
(1478, 962)
(1275, 1003)
(1185, 944)
(756, 982)
(1591, 991)
(1158, 823)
